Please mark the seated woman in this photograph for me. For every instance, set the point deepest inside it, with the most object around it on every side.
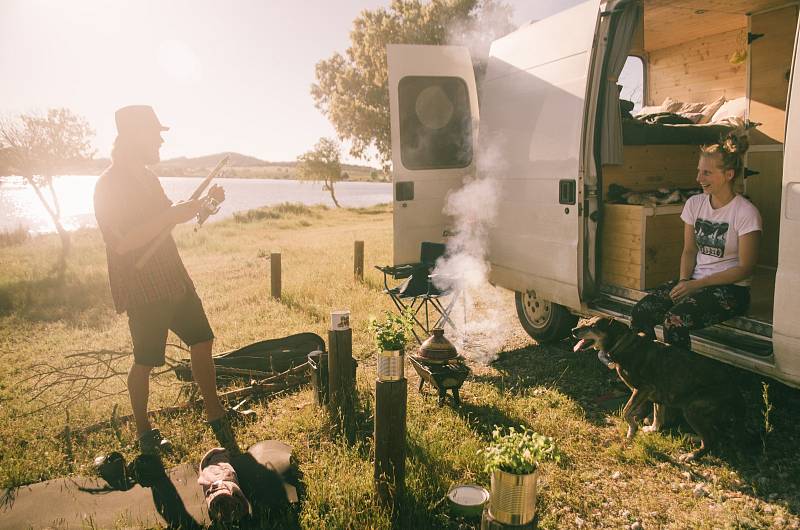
(720, 248)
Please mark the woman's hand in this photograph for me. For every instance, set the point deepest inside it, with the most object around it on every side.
(683, 289)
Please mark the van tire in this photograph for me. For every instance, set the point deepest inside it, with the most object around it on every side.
(543, 320)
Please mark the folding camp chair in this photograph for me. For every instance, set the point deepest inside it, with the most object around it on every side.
(418, 294)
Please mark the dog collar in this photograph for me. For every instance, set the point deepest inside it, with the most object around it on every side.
(624, 342)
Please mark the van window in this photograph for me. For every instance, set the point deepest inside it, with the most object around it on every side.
(632, 80)
(435, 122)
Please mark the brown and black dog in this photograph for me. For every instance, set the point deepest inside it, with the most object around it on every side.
(666, 375)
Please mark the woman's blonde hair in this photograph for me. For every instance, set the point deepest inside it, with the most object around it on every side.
(731, 148)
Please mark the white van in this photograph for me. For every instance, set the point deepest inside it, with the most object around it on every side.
(550, 114)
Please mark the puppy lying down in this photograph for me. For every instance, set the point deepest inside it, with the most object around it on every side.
(668, 376)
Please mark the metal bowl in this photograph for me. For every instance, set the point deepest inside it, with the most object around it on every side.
(467, 500)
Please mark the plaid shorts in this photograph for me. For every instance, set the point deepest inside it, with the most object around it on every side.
(149, 324)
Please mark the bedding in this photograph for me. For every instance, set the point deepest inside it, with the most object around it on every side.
(639, 132)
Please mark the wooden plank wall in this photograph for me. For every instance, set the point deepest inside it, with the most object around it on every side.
(770, 65)
(764, 191)
(621, 243)
(639, 251)
(649, 167)
(663, 247)
(698, 70)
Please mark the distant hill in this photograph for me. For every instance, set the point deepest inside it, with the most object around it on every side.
(240, 160)
(239, 166)
(236, 160)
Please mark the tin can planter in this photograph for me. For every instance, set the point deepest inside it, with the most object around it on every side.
(391, 365)
(513, 498)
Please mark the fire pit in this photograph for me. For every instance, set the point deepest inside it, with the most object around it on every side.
(439, 364)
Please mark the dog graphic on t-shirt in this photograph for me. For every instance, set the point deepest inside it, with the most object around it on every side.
(710, 237)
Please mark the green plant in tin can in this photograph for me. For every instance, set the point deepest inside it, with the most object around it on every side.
(519, 451)
(392, 332)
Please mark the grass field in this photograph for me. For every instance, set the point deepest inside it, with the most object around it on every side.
(600, 483)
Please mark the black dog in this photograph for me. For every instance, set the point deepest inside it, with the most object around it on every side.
(666, 375)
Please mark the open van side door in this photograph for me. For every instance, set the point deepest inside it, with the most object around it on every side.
(534, 104)
(786, 312)
(434, 126)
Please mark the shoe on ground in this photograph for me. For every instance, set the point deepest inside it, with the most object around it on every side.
(153, 443)
(224, 434)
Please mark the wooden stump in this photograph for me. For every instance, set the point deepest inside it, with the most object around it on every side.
(358, 260)
(275, 275)
(341, 381)
(390, 441)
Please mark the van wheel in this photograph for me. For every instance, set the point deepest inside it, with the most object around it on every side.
(543, 320)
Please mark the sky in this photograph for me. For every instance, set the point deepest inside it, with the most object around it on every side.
(225, 76)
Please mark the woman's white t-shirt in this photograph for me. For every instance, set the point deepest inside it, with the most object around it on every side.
(716, 232)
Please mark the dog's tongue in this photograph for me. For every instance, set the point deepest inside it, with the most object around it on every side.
(579, 346)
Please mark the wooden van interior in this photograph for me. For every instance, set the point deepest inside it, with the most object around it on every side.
(696, 51)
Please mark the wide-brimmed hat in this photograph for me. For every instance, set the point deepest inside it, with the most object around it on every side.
(136, 120)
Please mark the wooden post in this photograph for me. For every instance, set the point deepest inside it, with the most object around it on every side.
(341, 381)
(358, 261)
(275, 275)
(390, 441)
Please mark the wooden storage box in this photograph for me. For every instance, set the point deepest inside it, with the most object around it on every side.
(640, 245)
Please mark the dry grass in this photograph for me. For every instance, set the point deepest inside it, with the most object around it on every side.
(600, 483)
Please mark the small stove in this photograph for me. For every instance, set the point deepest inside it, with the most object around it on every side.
(439, 364)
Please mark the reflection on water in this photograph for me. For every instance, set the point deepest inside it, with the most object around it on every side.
(19, 205)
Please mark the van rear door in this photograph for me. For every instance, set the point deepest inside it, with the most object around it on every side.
(533, 104)
(786, 312)
(434, 125)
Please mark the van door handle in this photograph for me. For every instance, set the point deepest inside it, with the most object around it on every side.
(566, 191)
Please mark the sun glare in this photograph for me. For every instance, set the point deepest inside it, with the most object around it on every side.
(178, 60)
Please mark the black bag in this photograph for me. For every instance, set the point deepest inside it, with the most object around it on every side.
(273, 355)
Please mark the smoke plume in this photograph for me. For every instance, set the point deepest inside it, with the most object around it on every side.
(481, 318)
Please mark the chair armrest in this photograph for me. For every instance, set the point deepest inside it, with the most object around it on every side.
(401, 271)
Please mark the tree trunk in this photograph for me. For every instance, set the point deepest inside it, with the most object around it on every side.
(329, 184)
(66, 243)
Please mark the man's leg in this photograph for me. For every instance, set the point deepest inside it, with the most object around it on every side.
(139, 392)
(204, 375)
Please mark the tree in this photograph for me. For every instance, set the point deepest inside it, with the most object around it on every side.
(322, 164)
(37, 147)
(352, 91)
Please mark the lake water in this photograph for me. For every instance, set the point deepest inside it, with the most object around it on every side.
(19, 205)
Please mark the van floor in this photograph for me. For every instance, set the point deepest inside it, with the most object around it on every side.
(762, 294)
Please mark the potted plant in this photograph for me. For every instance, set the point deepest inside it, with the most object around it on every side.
(391, 334)
(513, 460)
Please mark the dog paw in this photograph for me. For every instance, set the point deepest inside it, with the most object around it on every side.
(687, 457)
(650, 428)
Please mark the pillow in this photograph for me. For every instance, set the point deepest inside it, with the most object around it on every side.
(734, 108)
(671, 105)
(690, 108)
(709, 110)
(694, 116)
(650, 109)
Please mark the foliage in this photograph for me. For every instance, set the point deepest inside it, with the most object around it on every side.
(352, 89)
(17, 236)
(322, 164)
(279, 211)
(518, 452)
(37, 147)
(393, 332)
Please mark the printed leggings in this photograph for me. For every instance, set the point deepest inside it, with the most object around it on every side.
(701, 309)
